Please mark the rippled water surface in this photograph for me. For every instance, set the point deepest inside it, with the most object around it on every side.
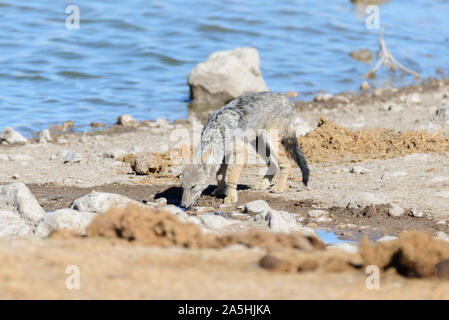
(134, 56)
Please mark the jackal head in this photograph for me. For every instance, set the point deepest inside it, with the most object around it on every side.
(195, 178)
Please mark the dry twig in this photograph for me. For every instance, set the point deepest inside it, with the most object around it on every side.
(388, 60)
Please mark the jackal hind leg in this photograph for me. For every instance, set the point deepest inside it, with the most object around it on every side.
(220, 191)
(233, 176)
(267, 153)
(284, 170)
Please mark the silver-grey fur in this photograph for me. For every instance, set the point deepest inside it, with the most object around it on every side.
(239, 119)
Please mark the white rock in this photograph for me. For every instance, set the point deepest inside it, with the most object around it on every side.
(114, 153)
(100, 202)
(281, 221)
(363, 199)
(162, 123)
(256, 207)
(416, 213)
(316, 213)
(127, 120)
(359, 170)
(20, 197)
(12, 225)
(44, 136)
(302, 127)
(4, 157)
(226, 75)
(16, 176)
(63, 219)
(174, 210)
(322, 97)
(215, 221)
(442, 236)
(395, 211)
(364, 86)
(414, 98)
(342, 98)
(9, 135)
(72, 157)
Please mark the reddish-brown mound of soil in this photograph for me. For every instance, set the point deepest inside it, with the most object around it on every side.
(157, 227)
(329, 143)
(413, 254)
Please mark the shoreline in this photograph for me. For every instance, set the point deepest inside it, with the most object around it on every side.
(320, 100)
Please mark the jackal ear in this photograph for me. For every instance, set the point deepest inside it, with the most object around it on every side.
(184, 151)
(205, 155)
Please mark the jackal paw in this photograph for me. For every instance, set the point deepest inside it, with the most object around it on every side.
(262, 185)
(277, 188)
(231, 197)
(219, 192)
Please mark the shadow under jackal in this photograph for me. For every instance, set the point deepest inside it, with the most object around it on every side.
(262, 120)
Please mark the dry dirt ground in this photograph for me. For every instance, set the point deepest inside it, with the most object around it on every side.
(402, 166)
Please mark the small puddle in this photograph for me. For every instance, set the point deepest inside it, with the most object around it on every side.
(331, 238)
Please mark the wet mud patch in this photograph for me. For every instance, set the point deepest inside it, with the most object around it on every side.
(352, 225)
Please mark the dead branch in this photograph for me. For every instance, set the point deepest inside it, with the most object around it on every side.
(388, 60)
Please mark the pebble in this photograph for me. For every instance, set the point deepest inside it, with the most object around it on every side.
(257, 207)
(318, 213)
(292, 94)
(127, 120)
(415, 98)
(416, 213)
(44, 136)
(377, 92)
(364, 86)
(322, 97)
(363, 199)
(9, 135)
(395, 211)
(72, 157)
(114, 153)
(359, 170)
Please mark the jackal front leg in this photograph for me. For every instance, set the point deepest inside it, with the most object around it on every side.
(234, 174)
(220, 191)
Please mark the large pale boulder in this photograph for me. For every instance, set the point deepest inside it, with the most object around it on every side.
(64, 219)
(224, 76)
(12, 225)
(19, 197)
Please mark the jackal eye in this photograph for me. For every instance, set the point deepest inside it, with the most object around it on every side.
(192, 187)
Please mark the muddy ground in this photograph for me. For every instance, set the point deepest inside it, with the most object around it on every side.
(397, 138)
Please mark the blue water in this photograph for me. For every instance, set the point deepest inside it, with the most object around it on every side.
(134, 56)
